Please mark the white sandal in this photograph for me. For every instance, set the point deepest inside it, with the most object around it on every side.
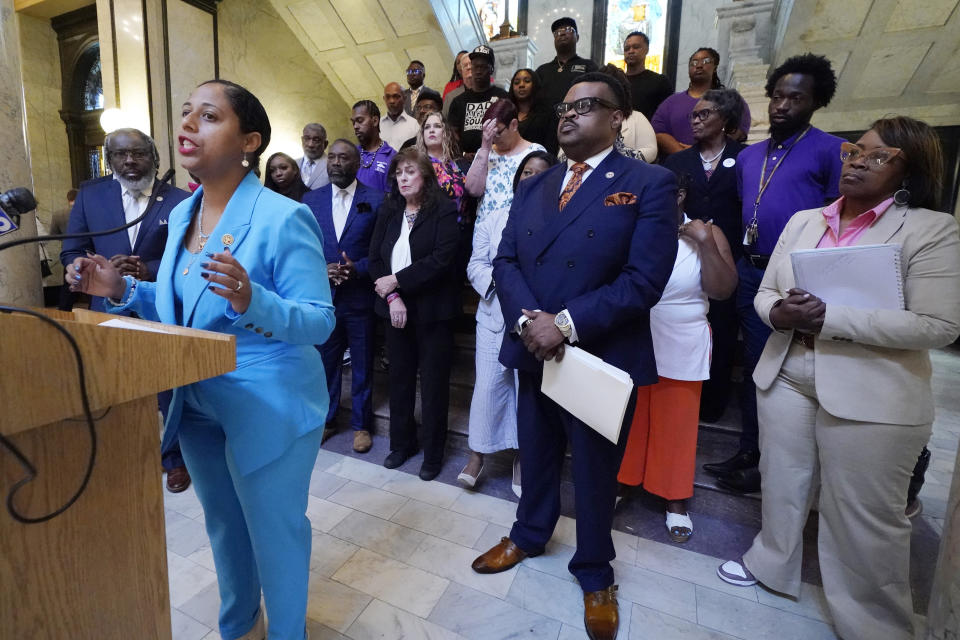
(679, 527)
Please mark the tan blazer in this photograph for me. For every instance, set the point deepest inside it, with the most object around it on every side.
(873, 365)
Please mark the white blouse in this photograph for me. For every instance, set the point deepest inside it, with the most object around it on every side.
(400, 257)
(678, 323)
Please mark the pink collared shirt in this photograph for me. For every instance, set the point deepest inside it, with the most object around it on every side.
(833, 238)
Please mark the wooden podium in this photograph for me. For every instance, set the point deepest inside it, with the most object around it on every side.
(99, 570)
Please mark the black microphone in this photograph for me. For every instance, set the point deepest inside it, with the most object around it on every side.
(20, 200)
(17, 200)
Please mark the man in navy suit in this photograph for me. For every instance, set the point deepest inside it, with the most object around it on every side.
(347, 211)
(586, 252)
(112, 201)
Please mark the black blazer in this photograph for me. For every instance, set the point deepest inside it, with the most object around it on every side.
(429, 286)
(716, 198)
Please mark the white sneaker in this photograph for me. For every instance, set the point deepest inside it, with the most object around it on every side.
(736, 573)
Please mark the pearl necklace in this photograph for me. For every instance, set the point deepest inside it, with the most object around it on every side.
(709, 163)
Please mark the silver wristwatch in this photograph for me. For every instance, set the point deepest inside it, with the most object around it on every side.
(562, 321)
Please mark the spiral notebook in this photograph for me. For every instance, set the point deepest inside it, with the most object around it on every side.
(867, 276)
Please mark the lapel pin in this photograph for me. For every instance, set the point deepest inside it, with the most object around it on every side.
(729, 162)
(227, 239)
(609, 174)
(159, 198)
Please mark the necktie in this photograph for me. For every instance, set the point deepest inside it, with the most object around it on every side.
(340, 215)
(306, 172)
(131, 211)
(574, 183)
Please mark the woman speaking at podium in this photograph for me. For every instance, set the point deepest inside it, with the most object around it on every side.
(243, 260)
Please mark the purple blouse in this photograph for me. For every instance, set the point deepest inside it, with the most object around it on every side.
(672, 116)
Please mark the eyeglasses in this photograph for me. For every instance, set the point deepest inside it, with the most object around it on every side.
(583, 106)
(878, 157)
(701, 62)
(414, 72)
(559, 31)
(136, 154)
(313, 139)
(701, 115)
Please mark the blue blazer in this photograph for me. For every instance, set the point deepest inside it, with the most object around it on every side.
(99, 206)
(278, 391)
(355, 294)
(606, 264)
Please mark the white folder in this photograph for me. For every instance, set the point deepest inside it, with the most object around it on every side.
(592, 390)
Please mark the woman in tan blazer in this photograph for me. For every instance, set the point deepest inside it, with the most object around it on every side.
(843, 393)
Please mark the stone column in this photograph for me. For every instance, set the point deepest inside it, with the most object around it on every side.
(20, 266)
(746, 33)
(512, 54)
(943, 614)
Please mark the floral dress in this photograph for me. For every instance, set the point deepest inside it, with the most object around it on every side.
(451, 179)
(498, 191)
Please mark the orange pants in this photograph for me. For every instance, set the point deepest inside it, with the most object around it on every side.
(662, 444)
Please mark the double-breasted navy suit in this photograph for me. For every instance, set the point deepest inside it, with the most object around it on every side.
(353, 299)
(607, 264)
(99, 206)
(251, 436)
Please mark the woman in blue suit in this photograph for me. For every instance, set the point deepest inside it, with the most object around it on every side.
(243, 260)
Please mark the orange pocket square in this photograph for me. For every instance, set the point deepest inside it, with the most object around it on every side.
(621, 197)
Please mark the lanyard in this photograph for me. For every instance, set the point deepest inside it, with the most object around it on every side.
(751, 236)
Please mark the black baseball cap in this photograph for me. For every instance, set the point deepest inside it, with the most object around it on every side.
(565, 21)
(485, 52)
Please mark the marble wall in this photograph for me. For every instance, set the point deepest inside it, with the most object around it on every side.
(20, 266)
(46, 132)
(258, 50)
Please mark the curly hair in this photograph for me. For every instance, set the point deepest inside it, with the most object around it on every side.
(730, 106)
(617, 74)
(922, 155)
(621, 97)
(451, 149)
(808, 64)
(430, 197)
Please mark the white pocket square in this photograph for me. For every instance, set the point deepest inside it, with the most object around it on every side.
(162, 222)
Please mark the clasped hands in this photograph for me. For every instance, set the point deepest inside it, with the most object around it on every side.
(131, 266)
(541, 336)
(800, 310)
(340, 272)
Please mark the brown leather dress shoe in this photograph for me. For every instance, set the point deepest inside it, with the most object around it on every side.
(600, 615)
(178, 480)
(505, 555)
(362, 441)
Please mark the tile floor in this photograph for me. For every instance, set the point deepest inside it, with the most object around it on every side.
(391, 560)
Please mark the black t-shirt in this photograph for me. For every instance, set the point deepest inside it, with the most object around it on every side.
(540, 126)
(466, 115)
(555, 79)
(648, 89)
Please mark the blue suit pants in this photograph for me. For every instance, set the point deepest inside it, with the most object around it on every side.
(755, 334)
(356, 330)
(543, 430)
(259, 533)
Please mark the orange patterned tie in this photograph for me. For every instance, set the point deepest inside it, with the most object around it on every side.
(578, 170)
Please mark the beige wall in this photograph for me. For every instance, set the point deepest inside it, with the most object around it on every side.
(46, 132)
(258, 50)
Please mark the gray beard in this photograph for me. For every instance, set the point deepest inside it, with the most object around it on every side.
(140, 185)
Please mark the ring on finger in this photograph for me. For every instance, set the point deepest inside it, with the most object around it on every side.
(239, 285)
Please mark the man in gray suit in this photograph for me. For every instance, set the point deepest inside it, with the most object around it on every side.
(415, 76)
(313, 164)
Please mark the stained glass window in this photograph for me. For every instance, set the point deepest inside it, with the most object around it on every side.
(93, 83)
(492, 13)
(648, 17)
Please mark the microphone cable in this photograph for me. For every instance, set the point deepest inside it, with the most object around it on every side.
(5, 442)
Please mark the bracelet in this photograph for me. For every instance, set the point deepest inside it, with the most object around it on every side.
(392, 296)
(128, 295)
